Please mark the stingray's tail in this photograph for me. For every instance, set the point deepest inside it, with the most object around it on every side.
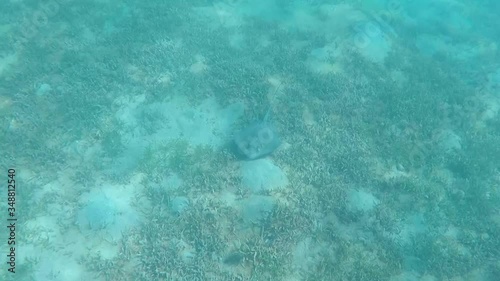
(266, 117)
(267, 114)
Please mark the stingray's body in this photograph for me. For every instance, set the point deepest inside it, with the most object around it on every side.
(256, 141)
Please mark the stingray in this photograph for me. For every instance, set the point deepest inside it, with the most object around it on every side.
(256, 141)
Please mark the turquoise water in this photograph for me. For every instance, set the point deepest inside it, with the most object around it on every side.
(119, 119)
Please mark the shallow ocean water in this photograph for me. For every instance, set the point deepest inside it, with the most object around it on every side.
(117, 119)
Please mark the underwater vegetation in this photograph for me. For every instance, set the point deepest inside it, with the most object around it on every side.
(381, 164)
